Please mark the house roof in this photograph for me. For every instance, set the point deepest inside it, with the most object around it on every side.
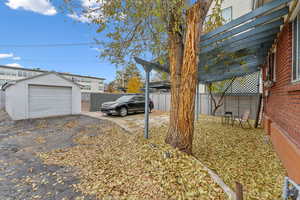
(45, 71)
(8, 84)
(239, 47)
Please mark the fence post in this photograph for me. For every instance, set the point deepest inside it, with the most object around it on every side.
(197, 102)
(238, 105)
(165, 97)
(258, 111)
(200, 101)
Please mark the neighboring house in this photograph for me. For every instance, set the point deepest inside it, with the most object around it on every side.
(90, 84)
(281, 76)
(232, 9)
(43, 95)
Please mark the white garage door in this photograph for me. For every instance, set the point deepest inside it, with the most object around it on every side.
(47, 101)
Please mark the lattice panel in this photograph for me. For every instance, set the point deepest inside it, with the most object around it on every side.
(245, 85)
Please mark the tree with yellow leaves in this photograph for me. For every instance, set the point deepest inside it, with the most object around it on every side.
(134, 85)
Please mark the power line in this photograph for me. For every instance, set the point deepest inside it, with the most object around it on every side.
(47, 45)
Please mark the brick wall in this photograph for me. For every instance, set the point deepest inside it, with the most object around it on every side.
(282, 107)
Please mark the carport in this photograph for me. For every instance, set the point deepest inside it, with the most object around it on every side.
(236, 49)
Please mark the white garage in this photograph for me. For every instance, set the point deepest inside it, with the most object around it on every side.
(40, 96)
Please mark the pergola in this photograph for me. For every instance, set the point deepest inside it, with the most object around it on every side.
(236, 49)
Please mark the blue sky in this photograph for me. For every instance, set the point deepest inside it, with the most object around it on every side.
(40, 22)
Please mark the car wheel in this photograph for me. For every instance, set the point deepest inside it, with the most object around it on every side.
(123, 111)
(109, 114)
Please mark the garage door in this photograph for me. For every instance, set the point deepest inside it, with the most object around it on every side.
(47, 101)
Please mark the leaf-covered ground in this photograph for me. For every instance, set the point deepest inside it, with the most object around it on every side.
(236, 154)
(117, 165)
(243, 155)
(122, 166)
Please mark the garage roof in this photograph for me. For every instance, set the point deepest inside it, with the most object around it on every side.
(8, 84)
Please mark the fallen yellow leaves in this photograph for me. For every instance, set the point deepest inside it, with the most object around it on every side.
(116, 165)
(40, 140)
(236, 154)
(242, 155)
(70, 124)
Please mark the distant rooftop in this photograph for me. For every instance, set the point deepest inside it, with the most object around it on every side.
(45, 71)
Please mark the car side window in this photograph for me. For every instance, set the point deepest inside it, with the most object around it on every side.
(139, 99)
(135, 99)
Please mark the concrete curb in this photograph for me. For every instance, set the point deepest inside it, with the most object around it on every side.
(230, 193)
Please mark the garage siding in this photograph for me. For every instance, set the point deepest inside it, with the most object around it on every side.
(43, 96)
(49, 101)
(2, 99)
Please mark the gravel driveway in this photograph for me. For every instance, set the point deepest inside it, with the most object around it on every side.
(22, 174)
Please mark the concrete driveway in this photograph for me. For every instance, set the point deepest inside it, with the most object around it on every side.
(133, 122)
(22, 174)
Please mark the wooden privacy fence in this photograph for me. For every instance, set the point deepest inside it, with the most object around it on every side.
(235, 103)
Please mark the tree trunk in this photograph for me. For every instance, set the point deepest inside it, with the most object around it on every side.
(216, 108)
(183, 58)
(220, 102)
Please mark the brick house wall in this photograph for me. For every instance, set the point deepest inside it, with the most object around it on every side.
(282, 106)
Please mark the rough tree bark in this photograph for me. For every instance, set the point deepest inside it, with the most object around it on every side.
(183, 57)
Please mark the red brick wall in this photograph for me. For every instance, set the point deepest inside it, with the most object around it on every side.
(282, 105)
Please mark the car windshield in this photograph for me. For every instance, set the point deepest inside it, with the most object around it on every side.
(124, 99)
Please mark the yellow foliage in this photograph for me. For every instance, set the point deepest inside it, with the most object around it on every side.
(134, 85)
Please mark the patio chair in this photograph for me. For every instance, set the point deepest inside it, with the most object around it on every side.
(227, 117)
(244, 119)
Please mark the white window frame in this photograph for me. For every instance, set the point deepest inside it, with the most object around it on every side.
(295, 49)
(223, 12)
(274, 65)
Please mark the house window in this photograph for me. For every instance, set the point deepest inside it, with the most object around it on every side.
(227, 14)
(296, 49)
(274, 66)
(87, 87)
(271, 76)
